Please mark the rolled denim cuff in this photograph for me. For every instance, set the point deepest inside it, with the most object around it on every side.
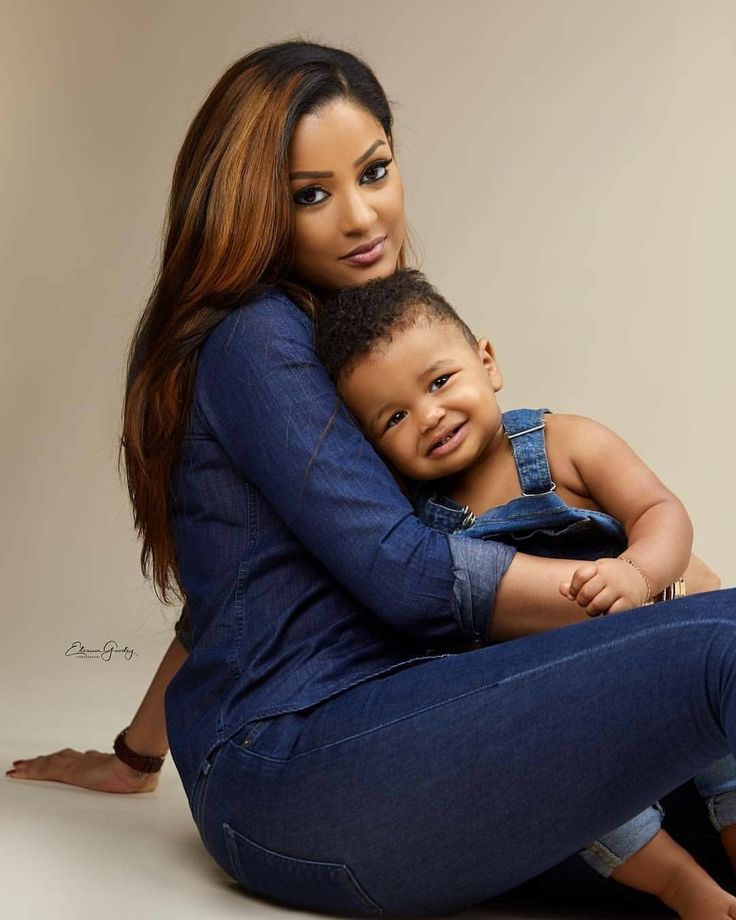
(717, 778)
(717, 786)
(612, 850)
(478, 566)
(722, 810)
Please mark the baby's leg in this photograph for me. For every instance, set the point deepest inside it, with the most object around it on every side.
(641, 855)
(717, 786)
(662, 868)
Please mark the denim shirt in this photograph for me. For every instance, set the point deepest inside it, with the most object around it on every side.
(304, 566)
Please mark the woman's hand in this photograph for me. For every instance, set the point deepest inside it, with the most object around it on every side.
(88, 769)
(700, 577)
(146, 734)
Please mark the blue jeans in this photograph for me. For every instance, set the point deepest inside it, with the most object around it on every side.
(440, 785)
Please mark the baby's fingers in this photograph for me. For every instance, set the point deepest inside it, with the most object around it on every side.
(595, 596)
(603, 602)
(580, 578)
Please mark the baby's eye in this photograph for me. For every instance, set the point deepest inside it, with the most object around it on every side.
(395, 419)
(375, 172)
(439, 382)
(311, 195)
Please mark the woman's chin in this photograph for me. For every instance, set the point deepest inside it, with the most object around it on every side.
(350, 276)
(381, 269)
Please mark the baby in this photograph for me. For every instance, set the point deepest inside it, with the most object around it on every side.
(424, 390)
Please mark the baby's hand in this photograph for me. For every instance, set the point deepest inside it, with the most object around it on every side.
(606, 586)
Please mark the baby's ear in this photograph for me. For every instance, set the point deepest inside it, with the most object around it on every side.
(488, 356)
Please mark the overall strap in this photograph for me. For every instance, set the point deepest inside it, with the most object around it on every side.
(525, 430)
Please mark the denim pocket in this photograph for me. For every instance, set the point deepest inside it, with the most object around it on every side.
(196, 802)
(304, 883)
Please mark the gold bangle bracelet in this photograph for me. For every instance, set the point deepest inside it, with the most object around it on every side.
(643, 575)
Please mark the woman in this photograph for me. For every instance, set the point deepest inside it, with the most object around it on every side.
(335, 753)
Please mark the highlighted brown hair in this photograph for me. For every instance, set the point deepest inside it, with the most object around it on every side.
(228, 236)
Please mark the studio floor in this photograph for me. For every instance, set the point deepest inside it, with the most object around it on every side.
(70, 853)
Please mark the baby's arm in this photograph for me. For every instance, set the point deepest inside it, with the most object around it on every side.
(657, 525)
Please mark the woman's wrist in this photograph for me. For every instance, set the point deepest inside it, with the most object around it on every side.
(147, 738)
(671, 592)
(146, 735)
(138, 762)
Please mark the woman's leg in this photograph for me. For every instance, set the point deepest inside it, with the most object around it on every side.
(438, 786)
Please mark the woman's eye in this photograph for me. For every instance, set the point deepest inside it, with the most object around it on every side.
(395, 419)
(313, 194)
(439, 382)
(375, 172)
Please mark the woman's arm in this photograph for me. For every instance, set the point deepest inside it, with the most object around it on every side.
(527, 599)
(700, 577)
(262, 393)
(523, 605)
(104, 772)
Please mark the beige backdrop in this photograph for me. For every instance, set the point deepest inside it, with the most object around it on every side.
(569, 168)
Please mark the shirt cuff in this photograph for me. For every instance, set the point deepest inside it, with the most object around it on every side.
(478, 566)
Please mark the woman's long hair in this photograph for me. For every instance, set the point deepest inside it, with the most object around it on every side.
(228, 236)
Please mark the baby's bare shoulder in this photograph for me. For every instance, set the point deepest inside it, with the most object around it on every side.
(574, 428)
(571, 441)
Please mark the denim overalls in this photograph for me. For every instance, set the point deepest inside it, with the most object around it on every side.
(541, 524)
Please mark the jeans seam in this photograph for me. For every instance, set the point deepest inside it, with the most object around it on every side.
(624, 640)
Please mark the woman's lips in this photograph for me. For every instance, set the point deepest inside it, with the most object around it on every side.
(455, 440)
(367, 256)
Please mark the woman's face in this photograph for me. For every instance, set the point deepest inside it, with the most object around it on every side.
(348, 198)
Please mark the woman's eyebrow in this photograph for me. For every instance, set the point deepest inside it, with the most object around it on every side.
(369, 151)
(325, 174)
(311, 175)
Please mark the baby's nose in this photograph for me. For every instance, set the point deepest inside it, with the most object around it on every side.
(432, 417)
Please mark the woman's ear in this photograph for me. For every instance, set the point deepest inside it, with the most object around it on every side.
(488, 357)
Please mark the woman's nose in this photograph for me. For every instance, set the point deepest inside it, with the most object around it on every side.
(358, 214)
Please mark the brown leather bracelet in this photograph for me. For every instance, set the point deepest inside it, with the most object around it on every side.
(136, 761)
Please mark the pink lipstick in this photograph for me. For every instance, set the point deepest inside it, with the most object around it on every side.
(366, 254)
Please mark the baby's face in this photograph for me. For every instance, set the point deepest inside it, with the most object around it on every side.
(427, 399)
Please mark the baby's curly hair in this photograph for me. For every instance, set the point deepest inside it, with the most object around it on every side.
(349, 325)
